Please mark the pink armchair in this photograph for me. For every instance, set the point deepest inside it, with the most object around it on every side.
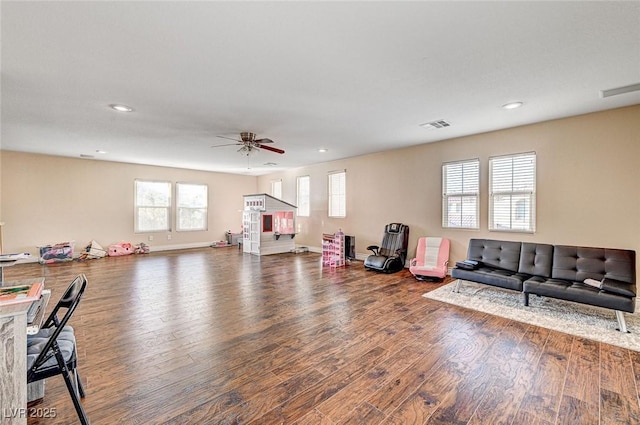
(432, 258)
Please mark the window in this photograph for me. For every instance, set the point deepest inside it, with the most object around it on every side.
(304, 194)
(276, 188)
(153, 206)
(460, 193)
(512, 193)
(191, 201)
(337, 194)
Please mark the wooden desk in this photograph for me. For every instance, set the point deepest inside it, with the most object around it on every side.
(13, 364)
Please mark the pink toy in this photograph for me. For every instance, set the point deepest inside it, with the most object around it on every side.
(118, 249)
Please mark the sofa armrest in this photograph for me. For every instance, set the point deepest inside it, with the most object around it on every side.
(618, 287)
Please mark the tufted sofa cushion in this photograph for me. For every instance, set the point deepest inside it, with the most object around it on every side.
(498, 264)
(500, 254)
(536, 259)
(576, 263)
(578, 292)
(492, 276)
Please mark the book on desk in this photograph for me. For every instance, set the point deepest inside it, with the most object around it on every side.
(21, 293)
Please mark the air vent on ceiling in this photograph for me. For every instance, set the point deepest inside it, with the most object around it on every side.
(83, 155)
(435, 124)
(620, 90)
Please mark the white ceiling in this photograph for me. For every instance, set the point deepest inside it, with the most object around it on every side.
(352, 77)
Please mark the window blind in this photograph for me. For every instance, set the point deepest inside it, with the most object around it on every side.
(512, 192)
(337, 194)
(276, 189)
(304, 193)
(460, 193)
(152, 206)
(192, 205)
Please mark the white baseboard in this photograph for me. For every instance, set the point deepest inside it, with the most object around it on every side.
(155, 248)
(158, 248)
(316, 249)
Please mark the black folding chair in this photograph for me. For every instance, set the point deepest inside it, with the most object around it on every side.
(52, 351)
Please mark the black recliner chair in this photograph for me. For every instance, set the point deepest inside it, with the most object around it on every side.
(390, 256)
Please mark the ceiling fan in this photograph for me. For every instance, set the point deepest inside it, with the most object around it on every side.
(250, 144)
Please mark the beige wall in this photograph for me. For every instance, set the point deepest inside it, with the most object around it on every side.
(588, 171)
(1, 222)
(49, 199)
(587, 177)
(0, 182)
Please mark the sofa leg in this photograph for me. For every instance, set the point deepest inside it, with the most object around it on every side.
(526, 298)
(621, 322)
(456, 289)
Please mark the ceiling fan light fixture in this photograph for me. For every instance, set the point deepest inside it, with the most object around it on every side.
(247, 150)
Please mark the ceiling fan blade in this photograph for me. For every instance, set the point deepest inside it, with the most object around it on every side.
(269, 148)
(229, 138)
(260, 141)
(227, 144)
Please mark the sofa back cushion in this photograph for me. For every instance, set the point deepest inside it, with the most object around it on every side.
(500, 254)
(536, 259)
(578, 263)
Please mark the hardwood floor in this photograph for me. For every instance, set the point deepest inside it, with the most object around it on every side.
(213, 336)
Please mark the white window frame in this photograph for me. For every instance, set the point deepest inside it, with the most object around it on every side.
(461, 188)
(140, 207)
(203, 207)
(303, 191)
(337, 194)
(512, 181)
(276, 188)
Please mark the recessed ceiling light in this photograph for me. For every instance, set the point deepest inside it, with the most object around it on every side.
(100, 151)
(512, 105)
(121, 108)
(323, 150)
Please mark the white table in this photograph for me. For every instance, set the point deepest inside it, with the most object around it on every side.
(13, 365)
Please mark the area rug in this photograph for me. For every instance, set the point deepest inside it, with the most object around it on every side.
(595, 323)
